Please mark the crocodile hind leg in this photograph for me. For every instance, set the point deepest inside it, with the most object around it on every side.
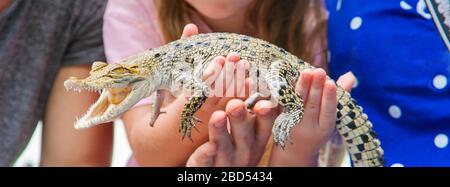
(282, 90)
(187, 115)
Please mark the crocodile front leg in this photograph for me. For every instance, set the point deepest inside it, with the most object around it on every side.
(156, 105)
(199, 93)
(283, 92)
(199, 96)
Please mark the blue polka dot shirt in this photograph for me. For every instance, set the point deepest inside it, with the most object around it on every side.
(402, 68)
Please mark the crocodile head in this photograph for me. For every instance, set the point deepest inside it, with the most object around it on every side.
(121, 86)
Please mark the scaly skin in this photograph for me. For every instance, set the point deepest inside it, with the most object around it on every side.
(179, 64)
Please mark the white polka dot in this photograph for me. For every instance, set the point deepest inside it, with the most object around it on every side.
(440, 81)
(356, 23)
(405, 5)
(420, 8)
(339, 5)
(395, 111)
(397, 165)
(441, 141)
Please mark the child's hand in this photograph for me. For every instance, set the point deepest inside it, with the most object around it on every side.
(242, 144)
(318, 122)
(224, 75)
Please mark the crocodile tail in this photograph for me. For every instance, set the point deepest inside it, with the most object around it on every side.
(356, 129)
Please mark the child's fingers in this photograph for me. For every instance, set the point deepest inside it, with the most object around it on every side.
(242, 130)
(189, 30)
(210, 76)
(265, 117)
(240, 77)
(220, 76)
(347, 81)
(226, 76)
(213, 69)
(233, 57)
(203, 156)
(231, 62)
(327, 119)
(218, 134)
(248, 88)
(304, 83)
(221, 82)
(312, 107)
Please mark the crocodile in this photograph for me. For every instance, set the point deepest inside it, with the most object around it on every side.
(180, 63)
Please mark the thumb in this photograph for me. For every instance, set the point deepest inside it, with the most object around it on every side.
(189, 30)
(347, 81)
(203, 156)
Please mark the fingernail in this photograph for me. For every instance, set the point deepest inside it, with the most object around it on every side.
(237, 112)
(220, 123)
(350, 73)
(233, 57)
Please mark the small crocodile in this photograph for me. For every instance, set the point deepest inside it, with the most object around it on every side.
(179, 64)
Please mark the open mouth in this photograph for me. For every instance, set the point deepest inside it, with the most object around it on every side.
(109, 106)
